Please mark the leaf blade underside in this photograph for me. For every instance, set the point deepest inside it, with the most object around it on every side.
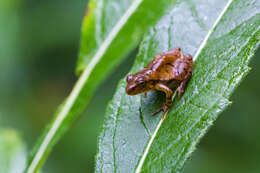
(219, 67)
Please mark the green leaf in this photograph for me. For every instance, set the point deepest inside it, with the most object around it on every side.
(12, 152)
(110, 30)
(222, 36)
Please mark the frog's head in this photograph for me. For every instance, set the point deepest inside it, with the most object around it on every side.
(137, 83)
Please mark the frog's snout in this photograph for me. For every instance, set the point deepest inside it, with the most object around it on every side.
(130, 90)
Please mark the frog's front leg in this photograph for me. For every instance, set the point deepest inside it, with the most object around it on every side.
(168, 101)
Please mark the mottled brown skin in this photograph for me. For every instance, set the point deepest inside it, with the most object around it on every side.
(166, 71)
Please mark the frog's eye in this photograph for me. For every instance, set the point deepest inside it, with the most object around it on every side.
(129, 78)
(141, 81)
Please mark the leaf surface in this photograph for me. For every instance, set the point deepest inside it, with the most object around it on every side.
(110, 30)
(222, 36)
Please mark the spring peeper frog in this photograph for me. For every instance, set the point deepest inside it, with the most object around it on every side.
(166, 71)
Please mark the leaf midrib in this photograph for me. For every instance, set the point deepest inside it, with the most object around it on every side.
(202, 45)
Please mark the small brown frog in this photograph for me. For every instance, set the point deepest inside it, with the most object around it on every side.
(166, 71)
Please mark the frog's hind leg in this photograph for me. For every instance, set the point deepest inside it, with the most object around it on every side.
(184, 83)
(182, 72)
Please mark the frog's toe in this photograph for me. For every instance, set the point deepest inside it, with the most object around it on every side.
(164, 109)
(156, 112)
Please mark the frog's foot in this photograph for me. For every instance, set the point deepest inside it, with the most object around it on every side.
(165, 109)
(144, 95)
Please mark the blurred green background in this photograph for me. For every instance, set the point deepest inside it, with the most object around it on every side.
(39, 43)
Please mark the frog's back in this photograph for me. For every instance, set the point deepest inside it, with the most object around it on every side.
(170, 65)
(162, 67)
(164, 72)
